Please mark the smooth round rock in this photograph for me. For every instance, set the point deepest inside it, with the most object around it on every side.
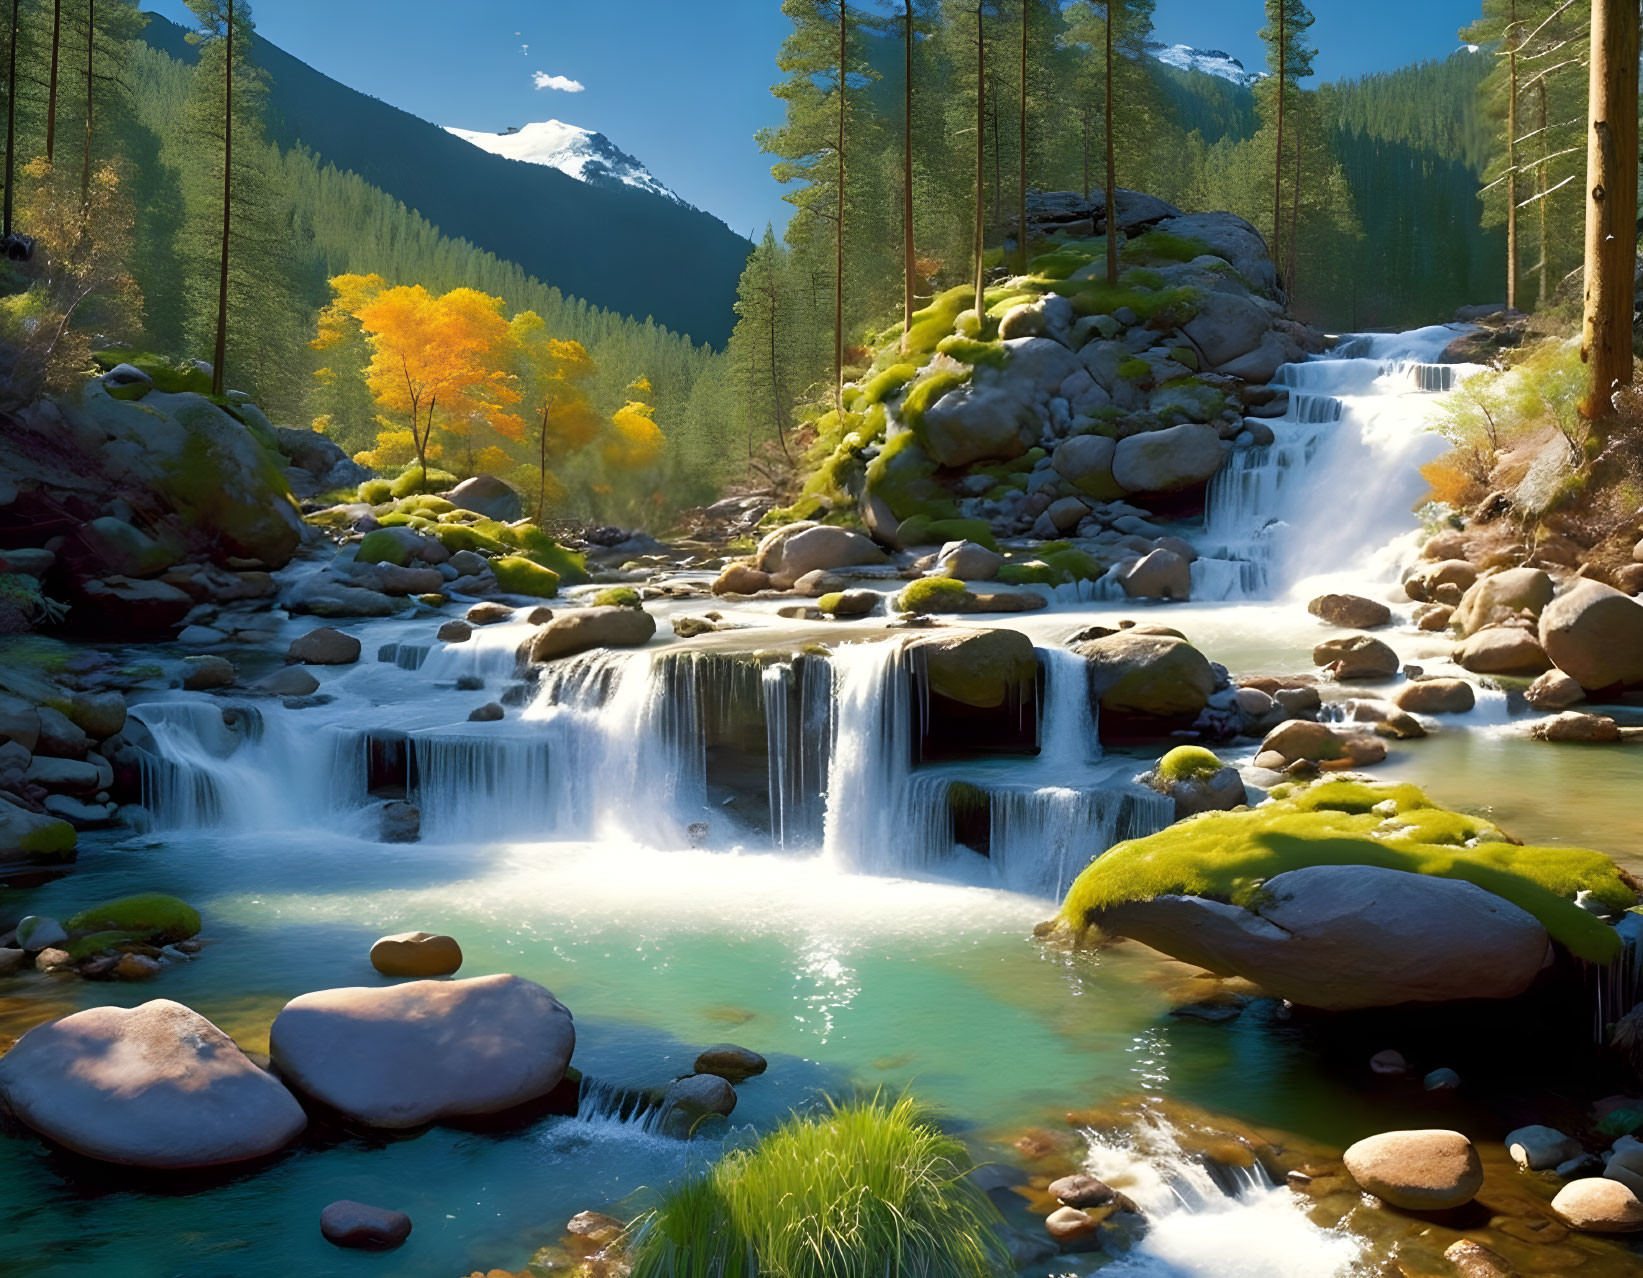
(415, 1053)
(421, 954)
(40, 932)
(1436, 696)
(156, 1085)
(350, 1224)
(1424, 1170)
(1082, 1190)
(293, 681)
(732, 1063)
(689, 1100)
(1599, 1205)
(1072, 1229)
(326, 646)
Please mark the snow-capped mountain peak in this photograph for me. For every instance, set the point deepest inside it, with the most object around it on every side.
(581, 153)
(1214, 62)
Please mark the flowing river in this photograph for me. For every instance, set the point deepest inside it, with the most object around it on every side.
(689, 850)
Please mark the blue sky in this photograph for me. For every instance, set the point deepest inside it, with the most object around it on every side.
(683, 84)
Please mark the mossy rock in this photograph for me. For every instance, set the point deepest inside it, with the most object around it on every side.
(152, 917)
(618, 597)
(380, 546)
(170, 377)
(520, 576)
(1229, 856)
(540, 548)
(1189, 763)
(980, 668)
(414, 481)
(935, 594)
(375, 491)
(455, 537)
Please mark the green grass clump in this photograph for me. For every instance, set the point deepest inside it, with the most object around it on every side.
(152, 917)
(934, 594)
(926, 393)
(867, 1189)
(978, 354)
(1229, 856)
(1067, 258)
(413, 481)
(376, 491)
(520, 576)
(618, 597)
(1189, 763)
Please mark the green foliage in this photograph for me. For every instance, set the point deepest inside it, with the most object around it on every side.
(455, 537)
(618, 597)
(151, 916)
(1229, 856)
(1189, 763)
(1134, 369)
(934, 594)
(517, 575)
(861, 1190)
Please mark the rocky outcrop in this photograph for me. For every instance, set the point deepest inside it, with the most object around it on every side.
(156, 1085)
(1350, 936)
(415, 1053)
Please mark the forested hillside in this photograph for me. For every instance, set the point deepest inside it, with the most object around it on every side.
(579, 236)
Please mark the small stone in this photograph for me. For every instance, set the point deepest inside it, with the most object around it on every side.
(732, 1063)
(1436, 696)
(490, 712)
(1352, 612)
(1573, 726)
(1441, 1080)
(1473, 1260)
(1388, 1064)
(539, 616)
(489, 613)
(1081, 1190)
(200, 674)
(40, 932)
(290, 682)
(326, 646)
(1073, 1230)
(1537, 1147)
(454, 632)
(53, 960)
(12, 961)
(419, 954)
(690, 1100)
(594, 1228)
(135, 967)
(690, 627)
(350, 1224)
(1554, 691)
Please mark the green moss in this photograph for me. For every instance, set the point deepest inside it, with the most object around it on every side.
(540, 548)
(170, 377)
(618, 597)
(51, 841)
(1229, 856)
(1161, 307)
(1032, 573)
(936, 321)
(927, 393)
(976, 530)
(84, 947)
(152, 916)
(1067, 258)
(978, 354)
(902, 476)
(1189, 763)
(376, 491)
(1161, 246)
(455, 537)
(934, 594)
(887, 383)
(1134, 369)
(829, 603)
(412, 481)
(520, 576)
(381, 547)
(426, 504)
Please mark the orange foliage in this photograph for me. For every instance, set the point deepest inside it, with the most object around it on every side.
(1450, 485)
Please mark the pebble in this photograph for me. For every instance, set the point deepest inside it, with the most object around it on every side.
(1388, 1064)
(1073, 1230)
(1082, 1190)
(1441, 1080)
(732, 1063)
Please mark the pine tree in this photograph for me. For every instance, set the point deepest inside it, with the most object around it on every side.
(761, 348)
(1611, 205)
(1289, 60)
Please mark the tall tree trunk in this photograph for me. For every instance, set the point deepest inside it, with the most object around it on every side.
(542, 462)
(1545, 151)
(91, 79)
(1112, 167)
(1611, 205)
(981, 168)
(11, 124)
(998, 164)
(1513, 38)
(51, 83)
(1089, 112)
(219, 355)
(909, 259)
(838, 230)
(1278, 168)
(1021, 145)
(1295, 214)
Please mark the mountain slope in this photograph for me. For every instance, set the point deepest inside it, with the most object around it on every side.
(617, 247)
(1213, 62)
(576, 152)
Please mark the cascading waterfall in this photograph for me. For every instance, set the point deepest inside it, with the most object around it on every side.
(1229, 1222)
(866, 818)
(798, 709)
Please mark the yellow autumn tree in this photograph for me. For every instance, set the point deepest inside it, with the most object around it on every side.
(555, 417)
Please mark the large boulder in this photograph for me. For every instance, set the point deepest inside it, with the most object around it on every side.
(1166, 461)
(1148, 675)
(1508, 650)
(488, 496)
(1352, 612)
(1429, 1170)
(1160, 574)
(1436, 696)
(582, 629)
(1233, 240)
(415, 1053)
(201, 463)
(1227, 325)
(1350, 936)
(1356, 657)
(982, 420)
(1261, 365)
(33, 838)
(1599, 1205)
(325, 646)
(981, 668)
(1085, 462)
(1501, 596)
(122, 548)
(822, 548)
(122, 607)
(1594, 633)
(156, 1085)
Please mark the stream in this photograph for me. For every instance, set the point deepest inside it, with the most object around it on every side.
(695, 849)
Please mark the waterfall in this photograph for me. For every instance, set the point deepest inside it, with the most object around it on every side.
(866, 816)
(798, 709)
(1211, 1222)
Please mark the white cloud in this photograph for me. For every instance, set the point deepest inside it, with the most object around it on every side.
(524, 48)
(563, 83)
